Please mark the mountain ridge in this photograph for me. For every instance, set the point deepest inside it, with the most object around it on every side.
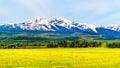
(62, 25)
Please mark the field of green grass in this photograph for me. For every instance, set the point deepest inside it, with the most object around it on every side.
(60, 58)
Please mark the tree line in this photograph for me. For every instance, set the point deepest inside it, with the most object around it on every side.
(74, 44)
(63, 44)
(83, 44)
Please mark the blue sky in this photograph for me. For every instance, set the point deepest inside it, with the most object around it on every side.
(98, 12)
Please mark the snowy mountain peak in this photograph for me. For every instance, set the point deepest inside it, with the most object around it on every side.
(93, 27)
(62, 19)
(114, 27)
(40, 21)
(62, 25)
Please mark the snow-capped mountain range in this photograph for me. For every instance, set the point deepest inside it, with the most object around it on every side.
(62, 25)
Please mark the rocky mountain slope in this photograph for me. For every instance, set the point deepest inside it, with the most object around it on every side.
(62, 25)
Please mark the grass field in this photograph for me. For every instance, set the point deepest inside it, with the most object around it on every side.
(60, 58)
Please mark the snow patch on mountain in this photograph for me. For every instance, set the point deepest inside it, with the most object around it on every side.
(61, 24)
(114, 27)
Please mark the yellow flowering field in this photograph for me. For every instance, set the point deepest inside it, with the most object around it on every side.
(60, 58)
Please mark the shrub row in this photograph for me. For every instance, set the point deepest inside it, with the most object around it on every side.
(63, 44)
